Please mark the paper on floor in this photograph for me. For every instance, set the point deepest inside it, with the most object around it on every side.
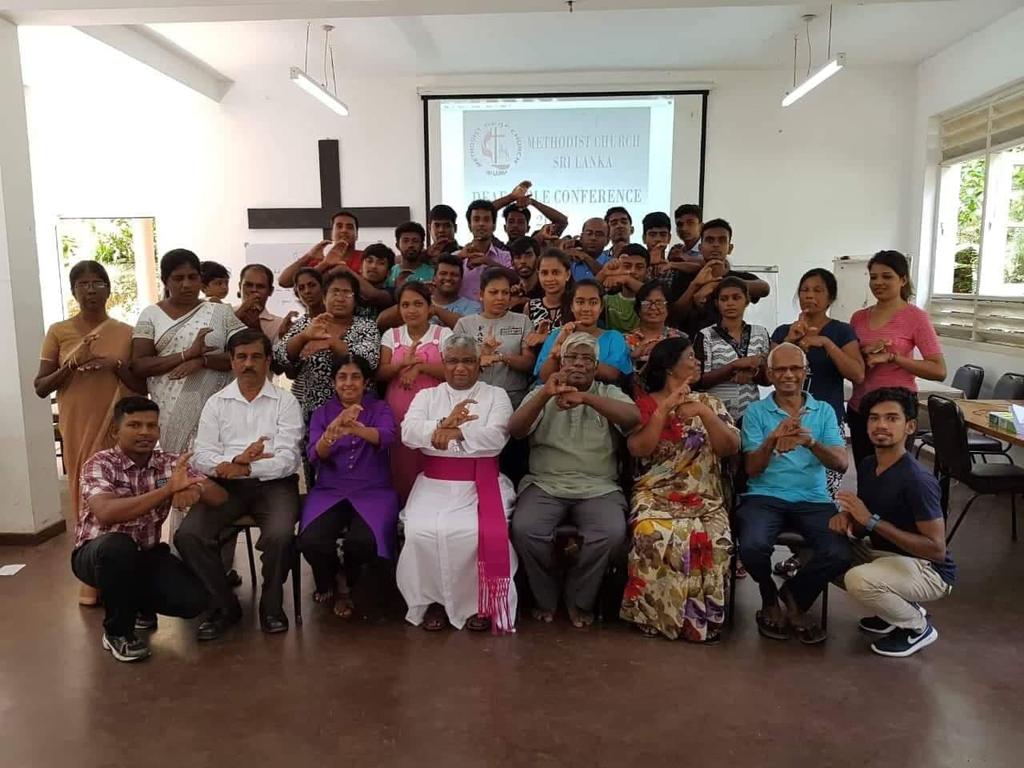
(10, 570)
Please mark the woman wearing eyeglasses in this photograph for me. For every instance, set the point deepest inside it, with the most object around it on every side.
(313, 345)
(652, 309)
(586, 306)
(85, 361)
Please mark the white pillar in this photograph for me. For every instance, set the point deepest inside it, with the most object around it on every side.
(30, 504)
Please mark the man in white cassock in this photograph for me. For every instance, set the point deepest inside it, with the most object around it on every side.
(457, 563)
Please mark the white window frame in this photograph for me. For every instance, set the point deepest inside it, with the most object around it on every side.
(976, 316)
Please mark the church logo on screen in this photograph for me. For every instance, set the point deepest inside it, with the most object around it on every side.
(495, 147)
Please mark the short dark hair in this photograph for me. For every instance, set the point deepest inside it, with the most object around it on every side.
(645, 291)
(380, 251)
(416, 287)
(663, 358)
(616, 209)
(349, 278)
(451, 261)
(635, 249)
(831, 287)
(358, 361)
(495, 273)
(480, 205)
(248, 336)
(511, 208)
(267, 271)
(410, 228)
(316, 274)
(521, 245)
(898, 263)
(689, 209)
(656, 220)
(84, 268)
(175, 258)
(717, 224)
(211, 270)
(906, 399)
(731, 281)
(442, 212)
(345, 212)
(133, 404)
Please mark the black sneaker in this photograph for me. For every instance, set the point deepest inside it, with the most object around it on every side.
(905, 642)
(128, 648)
(879, 626)
(145, 622)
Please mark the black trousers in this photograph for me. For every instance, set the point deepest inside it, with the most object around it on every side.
(318, 544)
(274, 504)
(134, 581)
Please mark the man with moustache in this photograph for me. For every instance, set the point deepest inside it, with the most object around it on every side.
(255, 287)
(126, 493)
(524, 252)
(248, 440)
(572, 423)
(903, 561)
(448, 306)
(515, 210)
(588, 250)
(410, 239)
(328, 254)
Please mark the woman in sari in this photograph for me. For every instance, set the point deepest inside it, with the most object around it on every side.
(410, 360)
(679, 516)
(85, 360)
(178, 345)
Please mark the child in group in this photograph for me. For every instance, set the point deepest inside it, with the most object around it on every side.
(215, 280)
(622, 277)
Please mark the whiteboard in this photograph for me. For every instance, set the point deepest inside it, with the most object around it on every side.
(852, 281)
(277, 256)
(766, 311)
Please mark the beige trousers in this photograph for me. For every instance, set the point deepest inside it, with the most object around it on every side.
(887, 583)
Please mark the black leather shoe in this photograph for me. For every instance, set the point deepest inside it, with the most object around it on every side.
(234, 580)
(216, 624)
(274, 624)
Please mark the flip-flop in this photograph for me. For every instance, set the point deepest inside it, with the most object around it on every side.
(812, 634)
(434, 620)
(770, 629)
(478, 623)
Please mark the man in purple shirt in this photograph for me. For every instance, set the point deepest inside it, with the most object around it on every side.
(481, 252)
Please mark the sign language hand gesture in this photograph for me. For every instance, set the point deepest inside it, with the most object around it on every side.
(254, 452)
(555, 386)
(199, 347)
(185, 490)
(680, 403)
(877, 352)
(349, 417)
(850, 504)
(460, 415)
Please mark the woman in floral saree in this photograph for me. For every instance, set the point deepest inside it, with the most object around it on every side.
(679, 517)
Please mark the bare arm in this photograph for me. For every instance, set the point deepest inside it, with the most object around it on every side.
(51, 377)
(389, 318)
(757, 461)
(929, 543)
(526, 414)
(559, 220)
(287, 277)
(146, 362)
(932, 368)
(848, 360)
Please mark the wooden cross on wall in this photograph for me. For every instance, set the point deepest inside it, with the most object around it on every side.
(330, 203)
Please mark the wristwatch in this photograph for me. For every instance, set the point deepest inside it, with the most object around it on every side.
(872, 523)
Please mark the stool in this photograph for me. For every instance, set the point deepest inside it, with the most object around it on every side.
(246, 523)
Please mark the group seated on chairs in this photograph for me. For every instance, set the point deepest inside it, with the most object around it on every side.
(485, 433)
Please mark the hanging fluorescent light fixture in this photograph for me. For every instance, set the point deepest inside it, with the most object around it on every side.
(815, 80)
(319, 90)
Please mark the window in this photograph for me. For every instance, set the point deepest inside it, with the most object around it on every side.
(978, 275)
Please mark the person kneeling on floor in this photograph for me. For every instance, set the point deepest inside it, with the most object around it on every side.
(127, 492)
(904, 561)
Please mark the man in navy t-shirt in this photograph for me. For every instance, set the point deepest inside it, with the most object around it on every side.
(904, 560)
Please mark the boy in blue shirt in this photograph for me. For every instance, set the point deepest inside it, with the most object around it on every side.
(789, 439)
(904, 561)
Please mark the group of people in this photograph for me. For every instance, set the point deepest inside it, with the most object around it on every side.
(449, 407)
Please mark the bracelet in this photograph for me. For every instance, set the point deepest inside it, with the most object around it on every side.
(892, 357)
(183, 357)
(870, 526)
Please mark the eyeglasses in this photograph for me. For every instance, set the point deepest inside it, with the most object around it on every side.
(85, 285)
(585, 360)
(653, 304)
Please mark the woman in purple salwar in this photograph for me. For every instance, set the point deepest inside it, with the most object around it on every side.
(353, 497)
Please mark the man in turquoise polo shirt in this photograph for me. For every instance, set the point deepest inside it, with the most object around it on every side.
(789, 439)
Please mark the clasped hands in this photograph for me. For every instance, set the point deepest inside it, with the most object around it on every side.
(789, 435)
(241, 465)
(192, 358)
(566, 396)
(345, 423)
(805, 335)
(184, 488)
(851, 510)
(450, 427)
(680, 403)
(86, 360)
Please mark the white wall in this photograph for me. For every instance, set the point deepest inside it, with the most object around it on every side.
(979, 64)
(823, 178)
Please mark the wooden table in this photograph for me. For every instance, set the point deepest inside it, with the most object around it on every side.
(976, 417)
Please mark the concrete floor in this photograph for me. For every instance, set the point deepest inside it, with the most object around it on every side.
(382, 693)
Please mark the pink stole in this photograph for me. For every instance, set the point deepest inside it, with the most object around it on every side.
(494, 567)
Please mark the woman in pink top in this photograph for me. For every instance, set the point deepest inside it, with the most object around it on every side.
(889, 332)
(410, 360)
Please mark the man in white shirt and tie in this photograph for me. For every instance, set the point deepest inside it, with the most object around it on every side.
(248, 440)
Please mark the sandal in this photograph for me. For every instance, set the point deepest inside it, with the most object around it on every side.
(543, 616)
(648, 632)
(323, 597)
(788, 568)
(435, 619)
(478, 623)
(771, 629)
(810, 634)
(343, 606)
